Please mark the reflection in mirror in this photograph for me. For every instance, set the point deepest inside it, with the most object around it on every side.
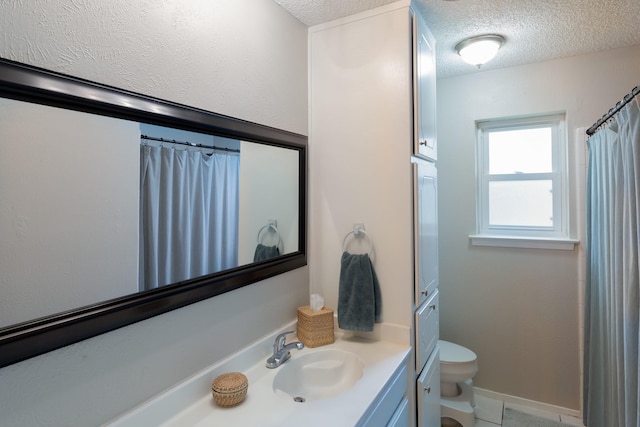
(188, 207)
(103, 221)
(68, 210)
(95, 208)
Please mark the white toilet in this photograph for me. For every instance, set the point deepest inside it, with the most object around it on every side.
(457, 366)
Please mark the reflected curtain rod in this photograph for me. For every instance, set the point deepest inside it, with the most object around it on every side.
(628, 97)
(190, 144)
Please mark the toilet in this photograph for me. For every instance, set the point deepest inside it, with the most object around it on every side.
(457, 366)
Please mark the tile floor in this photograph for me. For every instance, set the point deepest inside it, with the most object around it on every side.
(489, 412)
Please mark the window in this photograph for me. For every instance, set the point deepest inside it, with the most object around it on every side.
(522, 180)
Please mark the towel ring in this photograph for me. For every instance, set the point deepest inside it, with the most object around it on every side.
(359, 233)
(270, 227)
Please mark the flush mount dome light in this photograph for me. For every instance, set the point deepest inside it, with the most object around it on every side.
(480, 49)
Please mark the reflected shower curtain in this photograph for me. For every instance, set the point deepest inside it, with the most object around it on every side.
(612, 291)
(188, 214)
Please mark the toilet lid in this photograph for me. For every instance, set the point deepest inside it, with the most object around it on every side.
(454, 353)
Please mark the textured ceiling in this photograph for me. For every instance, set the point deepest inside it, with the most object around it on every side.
(535, 30)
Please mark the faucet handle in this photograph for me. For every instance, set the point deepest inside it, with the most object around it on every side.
(280, 339)
(281, 351)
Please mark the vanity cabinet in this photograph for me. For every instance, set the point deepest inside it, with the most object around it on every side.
(391, 406)
(401, 418)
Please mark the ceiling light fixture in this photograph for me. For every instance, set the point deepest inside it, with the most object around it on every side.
(479, 49)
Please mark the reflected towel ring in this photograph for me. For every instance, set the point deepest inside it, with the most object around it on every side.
(269, 227)
(359, 233)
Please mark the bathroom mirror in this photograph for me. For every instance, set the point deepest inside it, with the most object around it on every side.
(76, 213)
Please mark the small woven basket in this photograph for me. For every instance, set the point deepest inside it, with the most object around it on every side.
(229, 389)
(315, 328)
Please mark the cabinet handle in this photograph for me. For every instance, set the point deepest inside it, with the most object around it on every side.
(425, 292)
(427, 389)
(432, 306)
(423, 143)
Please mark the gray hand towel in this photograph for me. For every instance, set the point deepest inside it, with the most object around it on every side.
(265, 252)
(359, 304)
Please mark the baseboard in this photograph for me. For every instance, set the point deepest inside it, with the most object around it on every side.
(527, 402)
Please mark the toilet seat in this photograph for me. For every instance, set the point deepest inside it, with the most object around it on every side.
(457, 364)
(451, 353)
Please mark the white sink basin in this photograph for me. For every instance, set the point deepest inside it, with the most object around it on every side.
(358, 368)
(319, 375)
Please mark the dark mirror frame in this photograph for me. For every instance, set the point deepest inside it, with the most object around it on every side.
(31, 84)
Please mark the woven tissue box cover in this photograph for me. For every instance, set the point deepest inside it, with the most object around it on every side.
(315, 328)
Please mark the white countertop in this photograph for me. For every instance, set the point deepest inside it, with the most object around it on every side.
(190, 403)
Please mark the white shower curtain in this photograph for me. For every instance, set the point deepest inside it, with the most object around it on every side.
(188, 214)
(612, 293)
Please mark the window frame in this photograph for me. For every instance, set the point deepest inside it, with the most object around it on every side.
(523, 236)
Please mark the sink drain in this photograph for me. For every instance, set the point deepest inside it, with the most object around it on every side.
(299, 399)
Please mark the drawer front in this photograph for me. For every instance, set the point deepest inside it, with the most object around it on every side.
(427, 329)
(383, 409)
(428, 393)
(401, 416)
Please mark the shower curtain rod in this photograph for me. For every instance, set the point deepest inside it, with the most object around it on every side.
(190, 144)
(628, 97)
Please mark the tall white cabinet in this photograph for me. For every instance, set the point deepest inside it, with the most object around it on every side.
(372, 147)
(427, 305)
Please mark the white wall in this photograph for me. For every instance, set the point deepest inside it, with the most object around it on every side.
(360, 151)
(240, 58)
(518, 309)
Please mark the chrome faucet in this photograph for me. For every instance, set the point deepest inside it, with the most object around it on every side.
(281, 351)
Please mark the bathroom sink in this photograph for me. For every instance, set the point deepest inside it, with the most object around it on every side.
(320, 374)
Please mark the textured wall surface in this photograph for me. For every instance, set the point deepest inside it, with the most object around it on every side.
(243, 58)
(227, 57)
(518, 309)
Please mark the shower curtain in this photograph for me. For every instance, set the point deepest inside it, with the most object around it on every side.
(612, 290)
(188, 214)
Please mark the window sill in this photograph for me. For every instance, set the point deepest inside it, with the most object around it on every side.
(562, 244)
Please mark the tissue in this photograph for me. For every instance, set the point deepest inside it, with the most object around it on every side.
(317, 302)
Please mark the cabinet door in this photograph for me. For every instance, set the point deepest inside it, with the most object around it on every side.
(425, 90)
(426, 224)
(428, 393)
